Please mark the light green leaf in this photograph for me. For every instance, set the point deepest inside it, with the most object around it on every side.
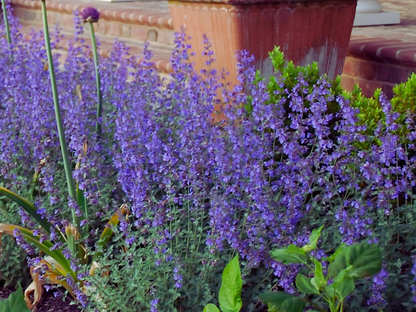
(230, 291)
(211, 308)
(15, 302)
(291, 254)
(319, 280)
(364, 259)
(280, 301)
(304, 284)
(315, 235)
(278, 59)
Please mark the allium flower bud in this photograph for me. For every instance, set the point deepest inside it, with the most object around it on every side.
(90, 15)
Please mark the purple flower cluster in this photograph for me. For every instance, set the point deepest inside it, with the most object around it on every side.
(255, 181)
(379, 285)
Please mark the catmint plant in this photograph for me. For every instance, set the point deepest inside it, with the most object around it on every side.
(59, 261)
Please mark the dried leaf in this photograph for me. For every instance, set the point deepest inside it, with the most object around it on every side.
(78, 92)
(36, 288)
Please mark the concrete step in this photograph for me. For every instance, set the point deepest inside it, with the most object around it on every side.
(132, 22)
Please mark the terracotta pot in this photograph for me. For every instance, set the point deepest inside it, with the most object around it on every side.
(305, 30)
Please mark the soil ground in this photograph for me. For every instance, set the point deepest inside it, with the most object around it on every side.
(49, 303)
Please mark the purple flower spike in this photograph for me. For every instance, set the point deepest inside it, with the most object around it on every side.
(90, 15)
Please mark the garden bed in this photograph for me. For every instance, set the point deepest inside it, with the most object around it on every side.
(118, 186)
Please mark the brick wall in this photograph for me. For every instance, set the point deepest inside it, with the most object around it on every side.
(378, 63)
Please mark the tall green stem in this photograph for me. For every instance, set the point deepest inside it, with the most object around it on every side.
(59, 123)
(6, 22)
(98, 80)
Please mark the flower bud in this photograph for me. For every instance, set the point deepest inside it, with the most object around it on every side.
(90, 15)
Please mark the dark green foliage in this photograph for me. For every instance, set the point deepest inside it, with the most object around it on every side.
(14, 303)
(346, 265)
(13, 268)
(280, 301)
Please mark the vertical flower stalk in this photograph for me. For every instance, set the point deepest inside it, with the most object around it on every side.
(91, 15)
(61, 131)
(6, 22)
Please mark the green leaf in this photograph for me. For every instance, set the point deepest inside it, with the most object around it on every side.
(278, 59)
(28, 207)
(82, 203)
(331, 258)
(364, 259)
(291, 254)
(330, 292)
(313, 240)
(15, 302)
(319, 280)
(230, 291)
(211, 308)
(280, 301)
(304, 284)
(343, 285)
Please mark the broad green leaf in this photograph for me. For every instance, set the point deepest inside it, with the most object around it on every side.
(211, 308)
(319, 280)
(330, 291)
(15, 302)
(230, 291)
(344, 287)
(28, 207)
(343, 284)
(364, 259)
(304, 284)
(280, 301)
(291, 254)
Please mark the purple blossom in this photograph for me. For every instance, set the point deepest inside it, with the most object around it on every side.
(90, 15)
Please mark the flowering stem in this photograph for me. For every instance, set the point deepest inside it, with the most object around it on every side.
(98, 81)
(6, 22)
(59, 123)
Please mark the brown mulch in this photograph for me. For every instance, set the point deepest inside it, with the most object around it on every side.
(48, 303)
